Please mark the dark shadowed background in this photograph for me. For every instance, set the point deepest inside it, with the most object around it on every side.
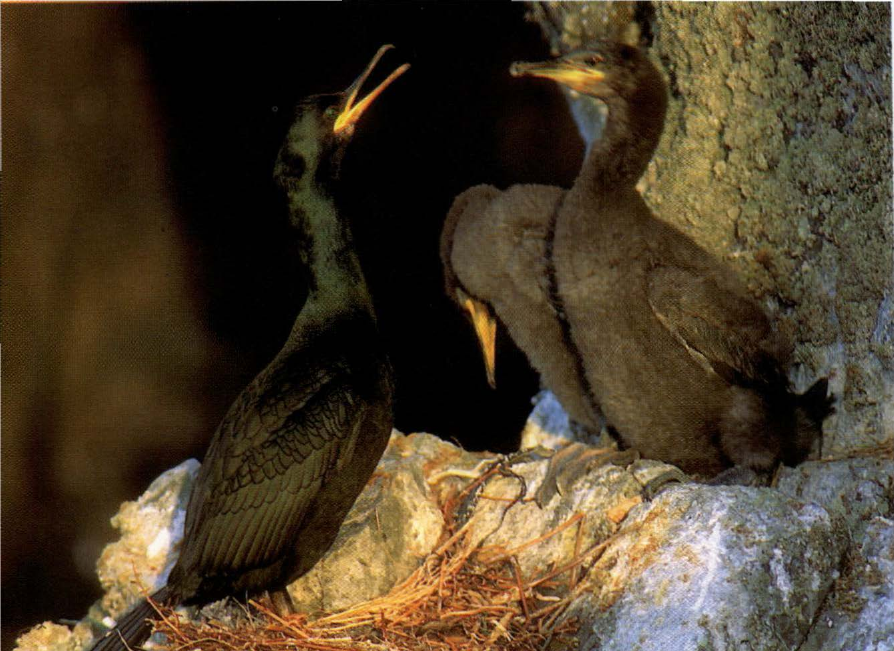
(148, 269)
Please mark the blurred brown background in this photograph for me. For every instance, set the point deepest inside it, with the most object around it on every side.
(148, 271)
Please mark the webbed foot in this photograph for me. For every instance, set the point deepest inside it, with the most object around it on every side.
(573, 462)
(654, 486)
(739, 476)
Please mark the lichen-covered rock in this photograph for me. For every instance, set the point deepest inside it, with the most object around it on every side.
(503, 525)
(858, 490)
(697, 567)
(393, 526)
(859, 614)
(151, 528)
(859, 611)
(711, 568)
(54, 637)
(548, 426)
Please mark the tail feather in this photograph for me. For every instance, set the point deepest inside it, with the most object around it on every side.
(811, 409)
(134, 627)
(816, 403)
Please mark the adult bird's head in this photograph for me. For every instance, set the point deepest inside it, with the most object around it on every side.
(606, 71)
(321, 128)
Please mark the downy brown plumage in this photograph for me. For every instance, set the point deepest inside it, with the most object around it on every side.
(618, 310)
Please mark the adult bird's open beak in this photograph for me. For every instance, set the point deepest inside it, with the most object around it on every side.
(567, 71)
(352, 112)
(485, 329)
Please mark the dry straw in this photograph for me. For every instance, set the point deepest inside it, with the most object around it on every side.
(461, 597)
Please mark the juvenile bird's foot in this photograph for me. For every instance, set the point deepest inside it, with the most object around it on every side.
(574, 461)
(586, 434)
(735, 476)
(740, 476)
(654, 486)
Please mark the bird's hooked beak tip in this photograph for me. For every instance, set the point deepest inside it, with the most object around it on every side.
(563, 71)
(351, 111)
(485, 329)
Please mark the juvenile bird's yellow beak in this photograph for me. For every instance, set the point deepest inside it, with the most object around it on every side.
(567, 72)
(485, 329)
(352, 112)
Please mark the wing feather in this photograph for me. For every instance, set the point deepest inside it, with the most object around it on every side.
(720, 326)
(269, 459)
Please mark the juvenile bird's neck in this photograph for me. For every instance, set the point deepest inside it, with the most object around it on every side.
(336, 284)
(631, 134)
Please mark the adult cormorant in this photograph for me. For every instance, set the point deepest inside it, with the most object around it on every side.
(300, 442)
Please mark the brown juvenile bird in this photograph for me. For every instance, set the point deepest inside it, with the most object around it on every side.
(495, 252)
(681, 360)
(300, 442)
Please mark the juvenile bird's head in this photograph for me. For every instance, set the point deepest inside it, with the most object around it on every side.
(623, 79)
(322, 127)
(608, 71)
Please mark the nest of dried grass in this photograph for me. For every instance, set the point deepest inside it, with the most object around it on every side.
(461, 597)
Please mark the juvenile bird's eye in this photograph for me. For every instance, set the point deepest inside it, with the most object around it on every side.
(332, 112)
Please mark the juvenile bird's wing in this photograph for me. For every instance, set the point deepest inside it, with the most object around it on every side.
(266, 463)
(719, 325)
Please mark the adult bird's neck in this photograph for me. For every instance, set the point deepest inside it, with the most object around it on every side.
(629, 138)
(336, 284)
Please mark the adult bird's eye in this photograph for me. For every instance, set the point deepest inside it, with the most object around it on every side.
(294, 162)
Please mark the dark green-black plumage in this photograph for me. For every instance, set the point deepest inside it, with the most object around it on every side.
(300, 442)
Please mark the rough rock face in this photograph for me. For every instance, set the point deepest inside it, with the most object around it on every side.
(151, 529)
(776, 157)
(808, 565)
(393, 526)
(857, 615)
(858, 490)
(710, 568)
(55, 637)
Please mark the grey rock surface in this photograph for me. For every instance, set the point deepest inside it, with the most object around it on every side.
(858, 490)
(698, 567)
(392, 527)
(151, 529)
(594, 497)
(712, 568)
(548, 425)
(859, 614)
(859, 611)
